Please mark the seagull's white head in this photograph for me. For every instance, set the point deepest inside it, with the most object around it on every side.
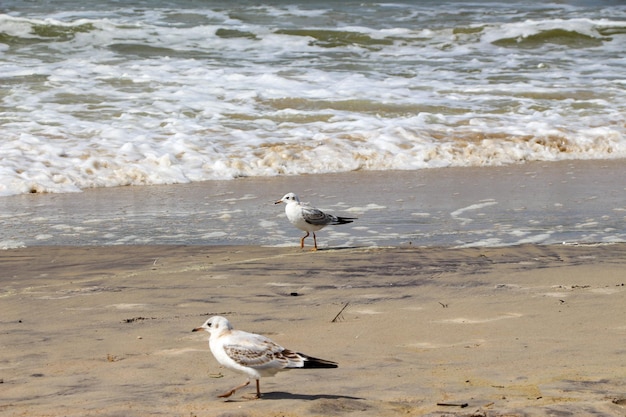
(288, 198)
(216, 325)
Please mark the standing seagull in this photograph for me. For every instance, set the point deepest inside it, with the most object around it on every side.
(309, 219)
(252, 354)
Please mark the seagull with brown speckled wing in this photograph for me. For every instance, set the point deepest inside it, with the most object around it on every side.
(252, 354)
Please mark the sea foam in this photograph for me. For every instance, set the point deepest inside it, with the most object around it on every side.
(102, 97)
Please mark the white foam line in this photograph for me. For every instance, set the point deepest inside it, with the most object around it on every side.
(457, 213)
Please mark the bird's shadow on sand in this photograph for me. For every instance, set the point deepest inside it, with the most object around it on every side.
(331, 248)
(280, 395)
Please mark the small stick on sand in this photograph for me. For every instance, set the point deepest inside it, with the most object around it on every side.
(462, 405)
(340, 311)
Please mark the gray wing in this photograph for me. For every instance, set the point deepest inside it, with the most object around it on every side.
(317, 217)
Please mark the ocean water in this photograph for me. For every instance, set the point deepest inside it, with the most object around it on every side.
(111, 93)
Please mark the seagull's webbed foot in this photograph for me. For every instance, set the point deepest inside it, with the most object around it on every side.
(226, 394)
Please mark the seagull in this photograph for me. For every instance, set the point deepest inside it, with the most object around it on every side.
(309, 219)
(253, 354)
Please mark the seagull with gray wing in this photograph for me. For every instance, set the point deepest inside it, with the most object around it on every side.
(309, 219)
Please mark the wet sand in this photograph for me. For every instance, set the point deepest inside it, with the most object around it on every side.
(541, 202)
(513, 331)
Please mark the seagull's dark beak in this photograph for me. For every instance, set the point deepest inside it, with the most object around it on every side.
(197, 329)
(278, 202)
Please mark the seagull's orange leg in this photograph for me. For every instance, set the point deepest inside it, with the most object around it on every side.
(258, 392)
(314, 241)
(232, 391)
(302, 240)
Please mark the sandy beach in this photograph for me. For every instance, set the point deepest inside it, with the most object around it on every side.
(478, 147)
(513, 331)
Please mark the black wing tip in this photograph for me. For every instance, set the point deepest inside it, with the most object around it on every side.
(344, 220)
(311, 362)
(320, 365)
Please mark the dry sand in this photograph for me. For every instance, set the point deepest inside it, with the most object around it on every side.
(523, 330)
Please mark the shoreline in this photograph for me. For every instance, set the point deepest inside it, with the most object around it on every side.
(546, 203)
(516, 331)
